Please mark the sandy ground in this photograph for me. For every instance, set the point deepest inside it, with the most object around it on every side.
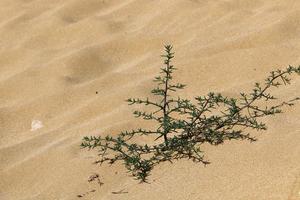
(55, 55)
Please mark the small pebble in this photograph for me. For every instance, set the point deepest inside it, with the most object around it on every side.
(36, 124)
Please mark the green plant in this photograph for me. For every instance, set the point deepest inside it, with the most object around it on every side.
(183, 125)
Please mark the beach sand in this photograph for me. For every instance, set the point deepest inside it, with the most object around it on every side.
(56, 54)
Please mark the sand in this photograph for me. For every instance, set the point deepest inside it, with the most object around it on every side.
(55, 55)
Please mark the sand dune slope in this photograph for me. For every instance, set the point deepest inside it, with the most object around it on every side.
(55, 55)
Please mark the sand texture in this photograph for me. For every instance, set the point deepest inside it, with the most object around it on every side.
(55, 55)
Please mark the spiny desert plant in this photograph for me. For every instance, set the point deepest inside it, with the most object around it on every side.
(183, 125)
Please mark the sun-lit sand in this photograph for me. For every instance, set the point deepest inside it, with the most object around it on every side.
(55, 55)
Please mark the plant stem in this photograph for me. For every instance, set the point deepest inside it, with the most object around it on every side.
(165, 103)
